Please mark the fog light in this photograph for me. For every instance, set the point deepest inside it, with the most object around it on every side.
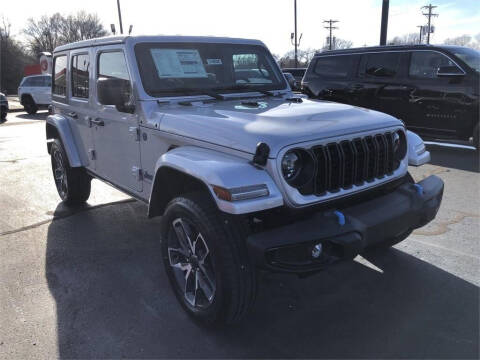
(317, 251)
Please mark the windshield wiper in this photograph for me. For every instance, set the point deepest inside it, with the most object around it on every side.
(192, 92)
(249, 88)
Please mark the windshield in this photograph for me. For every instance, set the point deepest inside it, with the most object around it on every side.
(173, 69)
(469, 56)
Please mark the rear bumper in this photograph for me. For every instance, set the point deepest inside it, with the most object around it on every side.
(390, 218)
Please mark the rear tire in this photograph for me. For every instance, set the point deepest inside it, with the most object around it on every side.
(73, 184)
(220, 272)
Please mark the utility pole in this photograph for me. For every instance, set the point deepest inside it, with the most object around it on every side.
(293, 36)
(383, 29)
(120, 16)
(330, 27)
(421, 29)
(429, 15)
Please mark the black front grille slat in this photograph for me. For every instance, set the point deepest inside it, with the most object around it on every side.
(352, 162)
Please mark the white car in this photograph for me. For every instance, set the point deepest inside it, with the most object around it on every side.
(35, 92)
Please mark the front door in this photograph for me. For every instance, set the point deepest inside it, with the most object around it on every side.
(115, 133)
(436, 105)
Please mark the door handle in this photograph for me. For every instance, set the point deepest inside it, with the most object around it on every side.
(97, 122)
(73, 114)
(357, 86)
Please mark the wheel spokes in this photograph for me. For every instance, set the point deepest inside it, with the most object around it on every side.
(191, 287)
(178, 259)
(206, 284)
(182, 232)
(200, 248)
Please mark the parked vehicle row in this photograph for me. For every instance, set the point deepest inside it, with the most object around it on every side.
(433, 89)
(245, 174)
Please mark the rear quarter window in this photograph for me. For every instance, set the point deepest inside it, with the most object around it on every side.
(333, 66)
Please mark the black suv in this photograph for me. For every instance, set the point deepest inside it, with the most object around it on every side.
(433, 89)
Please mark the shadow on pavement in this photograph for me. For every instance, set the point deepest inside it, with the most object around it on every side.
(41, 115)
(456, 158)
(103, 267)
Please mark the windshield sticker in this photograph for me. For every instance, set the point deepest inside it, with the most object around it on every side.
(214, 61)
(178, 63)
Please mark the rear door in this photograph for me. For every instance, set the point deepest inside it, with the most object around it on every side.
(437, 106)
(381, 83)
(115, 133)
(80, 110)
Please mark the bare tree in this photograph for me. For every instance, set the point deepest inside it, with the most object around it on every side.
(81, 26)
(462, 40)
(44, 34)
(338, 44)
(47, 33)
(407, 39)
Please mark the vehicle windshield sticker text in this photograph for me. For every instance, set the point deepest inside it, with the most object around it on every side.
(214, 61)
(178, 63)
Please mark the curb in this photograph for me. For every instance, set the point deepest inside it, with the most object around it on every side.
(15, 110)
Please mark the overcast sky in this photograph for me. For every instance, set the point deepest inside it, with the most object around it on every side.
(268, 20)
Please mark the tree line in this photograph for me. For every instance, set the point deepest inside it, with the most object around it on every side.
(42, 34)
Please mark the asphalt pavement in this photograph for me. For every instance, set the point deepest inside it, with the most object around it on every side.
(89, 282)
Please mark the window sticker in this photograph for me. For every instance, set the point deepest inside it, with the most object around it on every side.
(178, 63)
(214, 61)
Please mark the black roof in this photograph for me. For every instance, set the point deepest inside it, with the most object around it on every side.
(386, 48)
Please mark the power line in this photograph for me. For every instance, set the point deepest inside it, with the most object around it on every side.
(429, 15)
(330, 27)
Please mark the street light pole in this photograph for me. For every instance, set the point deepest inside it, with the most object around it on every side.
(120, 17)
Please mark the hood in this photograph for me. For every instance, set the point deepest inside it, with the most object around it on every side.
(277, 122)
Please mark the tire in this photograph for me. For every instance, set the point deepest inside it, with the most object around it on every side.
(30, 107)
(219, 268)
(3, 115)
(73, 184)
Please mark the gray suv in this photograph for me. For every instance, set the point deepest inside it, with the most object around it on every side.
(245, 175)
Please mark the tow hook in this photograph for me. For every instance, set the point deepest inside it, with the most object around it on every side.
(419, 189)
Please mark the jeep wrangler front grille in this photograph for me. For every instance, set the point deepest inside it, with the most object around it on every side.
(340, 165)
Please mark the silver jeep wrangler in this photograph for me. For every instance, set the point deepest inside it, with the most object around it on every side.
(245, 174)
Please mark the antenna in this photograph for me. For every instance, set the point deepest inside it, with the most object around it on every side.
(112, 27)
(130, 29)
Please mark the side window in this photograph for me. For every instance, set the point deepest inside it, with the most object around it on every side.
(60, 75)
(333, 66)
(80, 71)
(425, 64)
(379, 64)
(28, 82)
(112, 65)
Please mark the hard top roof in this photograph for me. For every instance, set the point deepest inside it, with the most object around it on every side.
(110, 40)
(386, 48)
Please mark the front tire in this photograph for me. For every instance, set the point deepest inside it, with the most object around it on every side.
(73, 184)
(206, 260)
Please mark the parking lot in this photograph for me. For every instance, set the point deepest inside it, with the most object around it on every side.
(89, 282)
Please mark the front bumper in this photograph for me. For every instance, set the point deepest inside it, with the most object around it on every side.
(345, 233)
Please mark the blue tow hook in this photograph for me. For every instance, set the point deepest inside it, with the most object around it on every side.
(419, 189)
(340, 217)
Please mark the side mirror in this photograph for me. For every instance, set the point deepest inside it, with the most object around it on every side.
(449, 71)
(117, 92)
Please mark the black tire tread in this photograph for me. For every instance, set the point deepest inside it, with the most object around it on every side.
(79, 182)
(240, 297)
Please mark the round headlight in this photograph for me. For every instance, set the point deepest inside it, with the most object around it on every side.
(298, 169)
(291, 165)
